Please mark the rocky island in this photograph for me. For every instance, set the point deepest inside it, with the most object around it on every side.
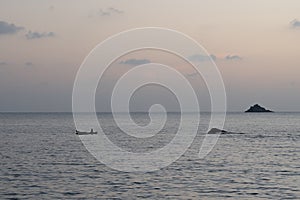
(257, 108)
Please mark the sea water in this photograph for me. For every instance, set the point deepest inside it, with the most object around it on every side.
(42, 158)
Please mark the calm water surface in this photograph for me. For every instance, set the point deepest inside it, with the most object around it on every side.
(41, 158)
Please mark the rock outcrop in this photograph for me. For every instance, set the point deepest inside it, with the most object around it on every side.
(219, 131)
(257, 108)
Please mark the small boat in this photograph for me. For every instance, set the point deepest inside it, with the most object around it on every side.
(92, 132)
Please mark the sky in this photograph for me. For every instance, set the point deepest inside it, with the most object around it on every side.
(255, 44)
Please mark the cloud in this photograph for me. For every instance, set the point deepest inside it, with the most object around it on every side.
(36, 35)
(233, 57)
(103, 13)
(295, 23)
(192, 74)
(115, 10)
(213, 57)
(109, 11)
(135, 62)
(29, 64)
(201, 58)
(51, 8)
(6, 28)
(9, 29)
(2, 63)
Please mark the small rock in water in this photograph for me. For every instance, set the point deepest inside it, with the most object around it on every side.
(216, 131)
(220, 131)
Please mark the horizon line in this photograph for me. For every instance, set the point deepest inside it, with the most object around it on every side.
(122, 112)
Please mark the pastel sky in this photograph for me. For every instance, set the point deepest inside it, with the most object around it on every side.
(255, 44)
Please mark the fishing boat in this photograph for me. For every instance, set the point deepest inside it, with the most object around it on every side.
(92, 132)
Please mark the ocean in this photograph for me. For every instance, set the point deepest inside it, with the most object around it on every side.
(42, 158)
